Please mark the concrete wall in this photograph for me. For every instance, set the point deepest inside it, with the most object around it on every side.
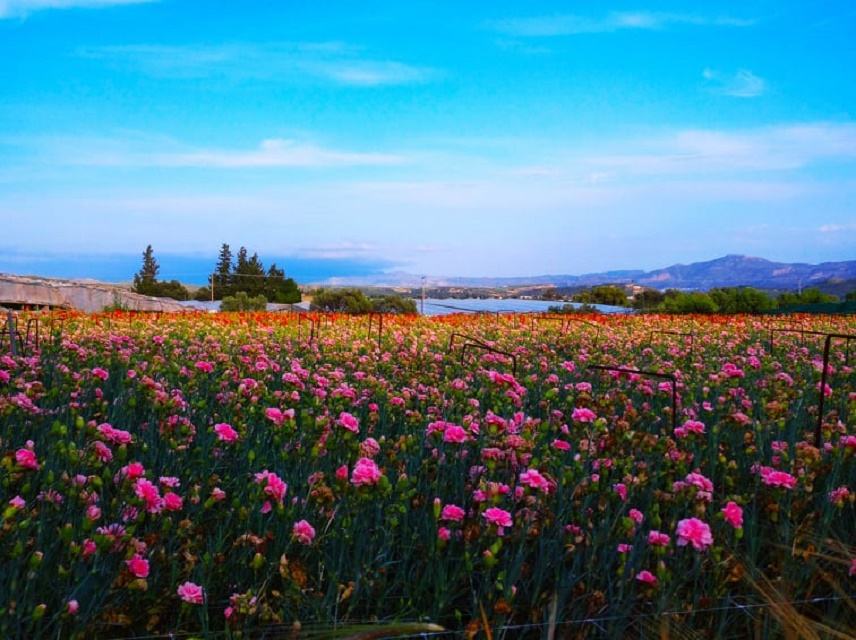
(72, 294)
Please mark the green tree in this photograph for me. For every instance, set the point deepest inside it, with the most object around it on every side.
(606, 294)
(850, 297)
(223, 272)
(741, 300)
(693, 302)
(342, 301)
(394, 304)
(278, 288)
(812, 295)
(242, 302)
(648, 299)
(146, 280)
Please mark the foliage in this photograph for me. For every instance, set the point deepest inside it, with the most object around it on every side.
(806, 296)
(850, 297)
(242, 302)
(344, 475)
(583, 308)
(687, 302)
(393, 304)
(741, 300)
(351, 301)
(202, 294)
(648, 299)
(606, 294)
(248, 274)
(147, 283)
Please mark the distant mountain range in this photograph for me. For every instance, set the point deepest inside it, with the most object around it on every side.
(728, 271)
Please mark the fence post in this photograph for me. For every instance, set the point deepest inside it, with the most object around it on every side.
(10, 327)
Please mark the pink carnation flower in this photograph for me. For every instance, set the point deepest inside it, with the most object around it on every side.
(303, 532)
(696, 532)
(733, 514)
(498, 517)
(26, 458)
(191, 593)
(774, 478)
(581, 414)
(225, 432)
(138, 566)
(349, 422)
(366, 472)
(647, 577)
(452, 512)
(455, 434)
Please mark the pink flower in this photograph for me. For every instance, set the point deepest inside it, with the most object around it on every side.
(17, 502)
(658, 539)
(102, 451)
(100, 373)
(278, 417)
(150, 494)
(204, 367)
(173, 502)
(621, 489)
(191, 593)
(733, 514)
(275, 487)
(623, 547)
(366, 472)
(349, 422)
(647, 577)
(774, 478)
(696, 532)
(581, 414)
(133, 470)
(138, 566)
(453, 513)
(26, 458)
(532, 478)
(342, 472)
(690, 426)
(72, 607)
(444, 534)
(561, 445)
(225, 432)
(636, 516)
(498, 517)
(455, 434)
(303, 532)
(218, 494)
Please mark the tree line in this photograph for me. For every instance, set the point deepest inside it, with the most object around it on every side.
(718, 300)
(242, 274)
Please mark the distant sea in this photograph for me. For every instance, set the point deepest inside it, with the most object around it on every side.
(446, 306)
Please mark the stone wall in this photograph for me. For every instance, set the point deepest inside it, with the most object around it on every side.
(74, 294)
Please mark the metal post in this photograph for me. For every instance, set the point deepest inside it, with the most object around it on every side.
(818, 432)
(10, 327)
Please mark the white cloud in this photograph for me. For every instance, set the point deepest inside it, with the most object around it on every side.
(21, 8)
(705, 151)
(837, 228)
(331, 61)
(572, 24)
(741, 84)
(273, 152)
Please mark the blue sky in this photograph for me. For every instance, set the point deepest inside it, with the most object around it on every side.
(447, 138)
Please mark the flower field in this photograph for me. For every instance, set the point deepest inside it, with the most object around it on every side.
(501, 476)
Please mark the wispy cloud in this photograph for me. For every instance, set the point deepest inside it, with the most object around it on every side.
(21, 8)
(837, 228)
(574, 24)
(271, 153)
(741, 84)
(710, 152)
(331, 61)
